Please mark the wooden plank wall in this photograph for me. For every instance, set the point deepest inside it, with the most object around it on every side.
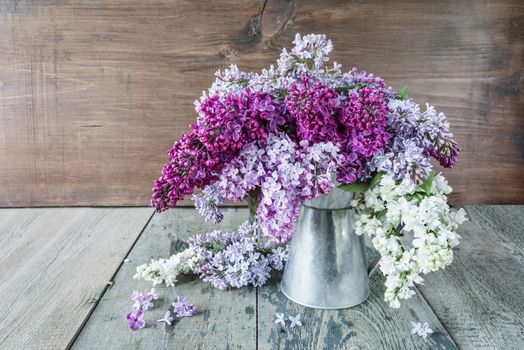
(92, 92)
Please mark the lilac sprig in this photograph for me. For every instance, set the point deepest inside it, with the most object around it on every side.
(283, 174)
(414, 136)
(237, 259)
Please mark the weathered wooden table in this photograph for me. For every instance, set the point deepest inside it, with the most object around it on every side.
(64, 283)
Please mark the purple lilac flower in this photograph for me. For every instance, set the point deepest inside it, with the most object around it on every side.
(208, 203)
(403, 160)
(182, 308)
(255, 132)
(414, 136)
(237, 259)
(285, 174)
(355, 122)
(309, 53)
(136, 320)
(143, 300)
(312, 106)
(361, 132)
(225, 127)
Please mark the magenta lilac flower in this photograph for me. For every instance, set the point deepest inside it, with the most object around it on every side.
(225, 126)
(312, 106)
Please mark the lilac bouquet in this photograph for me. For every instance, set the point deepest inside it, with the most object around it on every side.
(274, 138)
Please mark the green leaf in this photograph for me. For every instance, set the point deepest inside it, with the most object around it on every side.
(428, 183)
(403, 94)
(357, 187)
(360, 187)
(376, 179)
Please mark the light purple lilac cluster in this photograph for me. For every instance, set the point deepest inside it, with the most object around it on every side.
(285, 174)
(237, 259)
(415, 135)
(260, 135)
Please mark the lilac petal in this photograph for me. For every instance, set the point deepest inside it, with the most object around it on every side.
(140, 323)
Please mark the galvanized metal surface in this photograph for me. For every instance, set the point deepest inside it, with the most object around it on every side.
(327, 266)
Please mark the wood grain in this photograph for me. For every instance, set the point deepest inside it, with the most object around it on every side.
(371, 325)
(92, 92)
(227, 319)
(479, 298)
(54, 266)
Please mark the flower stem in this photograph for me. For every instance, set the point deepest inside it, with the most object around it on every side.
(252, 203)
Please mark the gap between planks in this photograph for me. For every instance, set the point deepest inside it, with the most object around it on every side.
(79, 330)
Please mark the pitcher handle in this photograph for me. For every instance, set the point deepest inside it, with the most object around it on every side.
(374, 264)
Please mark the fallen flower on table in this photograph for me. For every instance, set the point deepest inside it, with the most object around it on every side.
(422, 330)
(136, 320)
(182, 308)
(295, 321)
(280, 319)
(167, 318)
(143, 300)
(224, 259)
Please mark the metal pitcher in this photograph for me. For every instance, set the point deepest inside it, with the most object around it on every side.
(327, 266)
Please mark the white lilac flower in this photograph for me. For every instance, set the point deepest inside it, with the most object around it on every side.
(295, 321)
(422, 330)
(166, 270)
(167, 318)
(392, 210)
(280, 319)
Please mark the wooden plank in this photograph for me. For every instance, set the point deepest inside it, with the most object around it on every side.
(479, 298)
(227, 318)
(54, 265)
(92, 92)
(371, 325)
